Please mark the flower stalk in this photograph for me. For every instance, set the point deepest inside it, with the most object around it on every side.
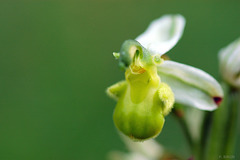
(232, 128)
(179, 115)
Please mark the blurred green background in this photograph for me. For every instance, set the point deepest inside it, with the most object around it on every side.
(56, 62)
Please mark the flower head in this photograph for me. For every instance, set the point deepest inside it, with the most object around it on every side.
(152, 85)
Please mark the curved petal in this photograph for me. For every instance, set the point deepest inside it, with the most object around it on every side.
(230, 63)
(149, 148)
(116, 155)
(162, 34)
(191, 86)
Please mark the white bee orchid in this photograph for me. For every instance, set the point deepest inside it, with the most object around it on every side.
(152, 85)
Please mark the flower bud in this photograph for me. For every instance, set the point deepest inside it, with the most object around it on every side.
(229, 58)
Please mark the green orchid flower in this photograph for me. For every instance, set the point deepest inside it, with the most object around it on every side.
(152, 85)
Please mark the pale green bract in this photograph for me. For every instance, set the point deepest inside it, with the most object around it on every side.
(153, 85)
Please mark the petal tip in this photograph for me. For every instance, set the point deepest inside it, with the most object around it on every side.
(217, 100)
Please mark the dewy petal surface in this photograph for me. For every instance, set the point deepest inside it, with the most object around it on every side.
(230, 63)
(191, 86)
(162, 34)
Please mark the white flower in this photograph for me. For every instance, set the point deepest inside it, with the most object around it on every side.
(144, 97)
(191, 86)
(229, 58)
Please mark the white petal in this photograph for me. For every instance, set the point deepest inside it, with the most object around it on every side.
(136, 156)
(162, 34)
(149, 148)
(116, 155)
(191, 86)
(230, 63)
(188, 95)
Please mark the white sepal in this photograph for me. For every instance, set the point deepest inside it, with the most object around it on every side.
(191, 86)
(162, 34)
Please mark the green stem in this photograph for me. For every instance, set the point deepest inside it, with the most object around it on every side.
(218, 129)
(185, 128)
(231, 134)
(205, 130)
